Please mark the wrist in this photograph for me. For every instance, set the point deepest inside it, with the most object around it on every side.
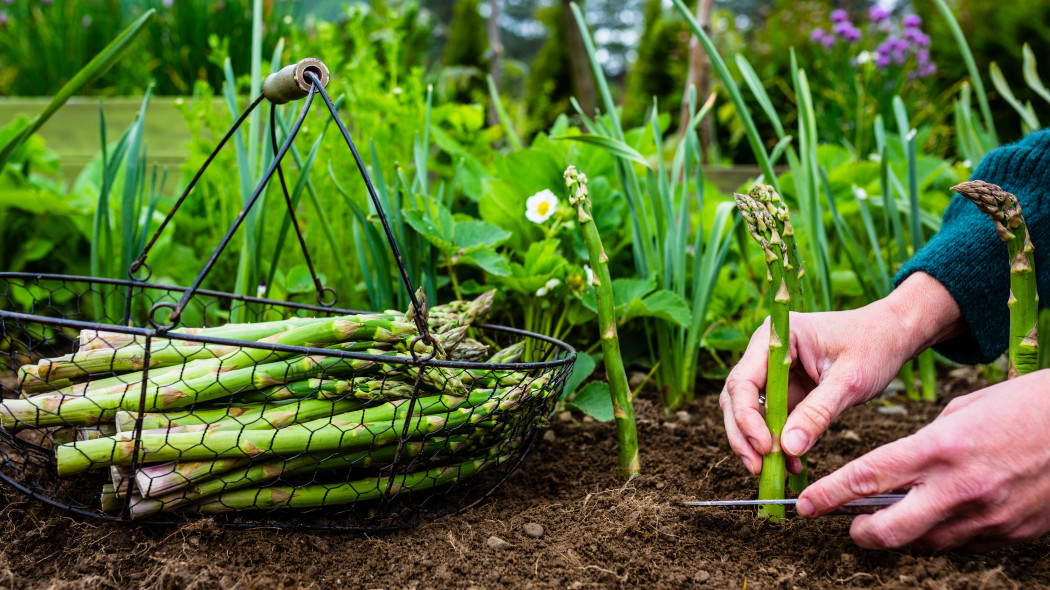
(925, 312)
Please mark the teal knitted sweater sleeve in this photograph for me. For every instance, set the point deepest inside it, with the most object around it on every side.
(969, 259)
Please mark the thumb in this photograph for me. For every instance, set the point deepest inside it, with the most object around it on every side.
(812, 416)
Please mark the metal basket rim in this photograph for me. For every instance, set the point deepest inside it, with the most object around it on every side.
(308, 350)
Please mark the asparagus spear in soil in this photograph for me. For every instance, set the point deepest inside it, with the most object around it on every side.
(623, 409)
(1005, 211)
(781, 215)
(761, 226)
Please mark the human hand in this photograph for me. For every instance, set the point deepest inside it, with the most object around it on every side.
(839, 359)
(979, 475)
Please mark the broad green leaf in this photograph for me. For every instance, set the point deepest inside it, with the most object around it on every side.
(469, 236)
(488, 260)
(595, 400)
(437, 227)
(726, 338)
(503, 205)
(581, 370)
(663, 304)
(299, 280)
(540, 264)
(36, 201)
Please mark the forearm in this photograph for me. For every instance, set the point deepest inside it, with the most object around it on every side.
(925, 312)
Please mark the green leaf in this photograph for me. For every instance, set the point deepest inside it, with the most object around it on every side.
(595, 400)
(540, 264)
(581, 370)
(299, 280)
(438, 227)
(36, 201)
(488, 260)
(469, 236)
(663, 304)
(613, 146)
(726, 338)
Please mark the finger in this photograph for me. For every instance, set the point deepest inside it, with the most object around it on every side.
(921, 511)
(814, 413)
(898, 464)
(743, 385)
(794, 464)
(751, 458)
(949, 534)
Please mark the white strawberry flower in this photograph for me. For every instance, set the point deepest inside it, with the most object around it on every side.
(540, 206)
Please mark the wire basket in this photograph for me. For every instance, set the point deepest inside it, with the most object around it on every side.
(303, 415)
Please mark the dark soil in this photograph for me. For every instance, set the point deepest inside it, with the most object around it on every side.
(598, 531)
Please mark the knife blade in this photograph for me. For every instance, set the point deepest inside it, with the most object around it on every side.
(860, 506)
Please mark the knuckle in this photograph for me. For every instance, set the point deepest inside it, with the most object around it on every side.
(816, 415)
(862, 480)
(852, 383)
(880, 533)
(723, 400)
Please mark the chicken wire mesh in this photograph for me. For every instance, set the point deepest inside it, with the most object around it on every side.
(306, 417)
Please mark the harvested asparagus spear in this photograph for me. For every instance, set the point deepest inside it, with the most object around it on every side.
(1005, 212)
(762, 227)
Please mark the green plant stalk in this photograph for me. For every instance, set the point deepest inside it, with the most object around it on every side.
(1005, 212)
(272, 497)
(927, 364)
(156, 480)
(971, 67)
(762, 227)
(1044, 339)
(326, 434)
(793, 273)
(623, 408)
(258, 474)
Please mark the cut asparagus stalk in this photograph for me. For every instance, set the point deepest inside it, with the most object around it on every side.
(343, 432)
(257, 474)
(275, 497)
(762, 227)
(1005, 212)
(623, 408)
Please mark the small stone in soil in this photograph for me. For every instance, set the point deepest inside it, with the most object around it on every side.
(534, 530)
(660, 485)
(495, 542)
(669, 426)
(851, 435)
(565, 416)
(892, 410)
(702, 576)
(683, 416)
(549, 436)
(635, 379)
(588, 420)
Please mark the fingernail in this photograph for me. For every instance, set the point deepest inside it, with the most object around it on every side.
(747, 464)
(795, 442)
(804, 507)
(754, 443)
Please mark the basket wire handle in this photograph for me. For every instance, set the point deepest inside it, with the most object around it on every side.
(420, 315)
(321, 289)
(173, 318)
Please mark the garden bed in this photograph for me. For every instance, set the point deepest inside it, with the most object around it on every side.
(597, 530)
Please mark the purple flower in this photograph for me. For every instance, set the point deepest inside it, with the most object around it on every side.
(928, 70)
(839, 16)
(828, 41)
(877, 14)
(882, 60)
(9, 1)
(847, 31)
(817, 35)
(168, 3)
(3, 18)
(86, 21)
(912, 20)
(46, 2)
(922, 57)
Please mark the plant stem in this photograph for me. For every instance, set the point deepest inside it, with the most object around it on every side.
(623, 409)
(762, 227)
(1005, 211)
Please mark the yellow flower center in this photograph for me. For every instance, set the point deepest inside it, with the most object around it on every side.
(543, 208)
